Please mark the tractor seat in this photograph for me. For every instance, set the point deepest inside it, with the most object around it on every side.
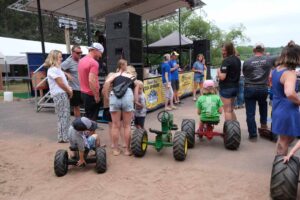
(75, 148)
(211, 122)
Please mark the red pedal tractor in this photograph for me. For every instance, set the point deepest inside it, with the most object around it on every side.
(231, 132)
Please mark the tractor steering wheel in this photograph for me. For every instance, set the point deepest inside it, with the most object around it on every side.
(163, 114)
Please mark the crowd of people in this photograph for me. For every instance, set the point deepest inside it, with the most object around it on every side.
(75, 82)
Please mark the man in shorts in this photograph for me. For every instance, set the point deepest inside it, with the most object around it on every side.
(70, 67)
(88, 69)
(174, 75)
(166, 79)
(83, 136)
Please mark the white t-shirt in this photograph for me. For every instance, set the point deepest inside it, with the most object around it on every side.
(52, 74)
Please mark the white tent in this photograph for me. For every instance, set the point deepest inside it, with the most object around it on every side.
(14, 50)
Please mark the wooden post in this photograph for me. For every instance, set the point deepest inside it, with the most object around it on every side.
(67, 39)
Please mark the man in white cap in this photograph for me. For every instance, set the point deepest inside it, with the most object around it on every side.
(256, 71)
(88, 69)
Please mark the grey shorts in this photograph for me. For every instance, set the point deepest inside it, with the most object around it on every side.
(168, 92)
(123, 104)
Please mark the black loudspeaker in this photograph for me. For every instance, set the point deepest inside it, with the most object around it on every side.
(124, 40)
(128, 49)
(123, 24)
(203, 47)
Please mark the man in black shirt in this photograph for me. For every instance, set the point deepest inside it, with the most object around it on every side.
(256, 72)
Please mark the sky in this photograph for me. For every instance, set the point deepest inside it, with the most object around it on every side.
(272, 22)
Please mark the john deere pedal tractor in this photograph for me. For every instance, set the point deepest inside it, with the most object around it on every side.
(163, 138)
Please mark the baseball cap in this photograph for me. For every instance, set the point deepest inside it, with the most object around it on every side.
(174, 53)
(97, 46)
(208, 83)
(83, 124)
(259, 45)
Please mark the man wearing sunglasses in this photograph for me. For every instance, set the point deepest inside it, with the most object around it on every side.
(70, 67)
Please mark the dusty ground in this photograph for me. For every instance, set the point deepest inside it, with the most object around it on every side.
(28, 144)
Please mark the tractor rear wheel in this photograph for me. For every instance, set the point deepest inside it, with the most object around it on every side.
(232, 134)
(180, 146)
(284, 178)
(139, 142)
(61, 162)
(188, 126)
(100, 160)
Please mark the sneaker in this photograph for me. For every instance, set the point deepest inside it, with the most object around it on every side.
(194, 99)
(174, 107)
(253, 138)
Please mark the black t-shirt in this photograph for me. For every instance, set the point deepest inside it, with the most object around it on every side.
(257, 70)
(231, 66)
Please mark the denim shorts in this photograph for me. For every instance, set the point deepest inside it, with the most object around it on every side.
(92, 142)
(229, 92)
(123, 104)
(198, 79)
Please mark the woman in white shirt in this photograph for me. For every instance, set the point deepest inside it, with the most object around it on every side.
(60, 92)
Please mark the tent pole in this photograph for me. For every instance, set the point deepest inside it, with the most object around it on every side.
(147, 43)
(41, 27)
(87, 18)
(179, 23)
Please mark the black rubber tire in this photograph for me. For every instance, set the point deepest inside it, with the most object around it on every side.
(139, 137)
(100, 160)
(61, 163)
(180, 145)
(232, 134)
(284, 179)
(188, 126)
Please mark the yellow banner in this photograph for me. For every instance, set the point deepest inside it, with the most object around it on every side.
(153, 90)
(186, 81)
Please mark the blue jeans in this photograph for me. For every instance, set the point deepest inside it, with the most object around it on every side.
(253, 95)
(240, 97)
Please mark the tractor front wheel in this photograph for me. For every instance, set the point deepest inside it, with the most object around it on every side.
(100, 160)
(180, 146)
(232, 134)
(284, 179)
(139, 142)
(61, 162)
(188, 126)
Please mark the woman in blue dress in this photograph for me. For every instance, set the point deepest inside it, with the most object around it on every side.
(285, 113)
(198, 69)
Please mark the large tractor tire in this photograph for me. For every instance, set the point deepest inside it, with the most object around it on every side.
(188, 126)
(61, 163)
(180, 146)
(232, 134)
(284, 179)
(139, 142)
(100, 160)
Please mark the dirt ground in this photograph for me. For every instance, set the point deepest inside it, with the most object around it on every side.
(28, 144)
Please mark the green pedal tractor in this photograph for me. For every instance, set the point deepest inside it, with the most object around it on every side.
(139, 140)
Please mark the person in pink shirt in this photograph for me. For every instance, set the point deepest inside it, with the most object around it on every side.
(88, 68)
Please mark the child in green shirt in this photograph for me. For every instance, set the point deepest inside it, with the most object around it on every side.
(209, 105)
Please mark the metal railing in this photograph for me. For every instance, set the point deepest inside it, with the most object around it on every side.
(43, 101)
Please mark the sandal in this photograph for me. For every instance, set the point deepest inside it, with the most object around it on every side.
(127, 153)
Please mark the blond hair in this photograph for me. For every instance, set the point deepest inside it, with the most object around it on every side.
(120, 63)
(209, 90)
(131, 70)
(52, 58)
(140, 83)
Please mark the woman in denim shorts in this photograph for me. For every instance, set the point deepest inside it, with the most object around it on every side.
(229, 76)
(122, 108)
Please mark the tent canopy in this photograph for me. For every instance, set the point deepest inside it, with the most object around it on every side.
(75, 9)
(14, 50)
(172, 40)
(169, 43)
